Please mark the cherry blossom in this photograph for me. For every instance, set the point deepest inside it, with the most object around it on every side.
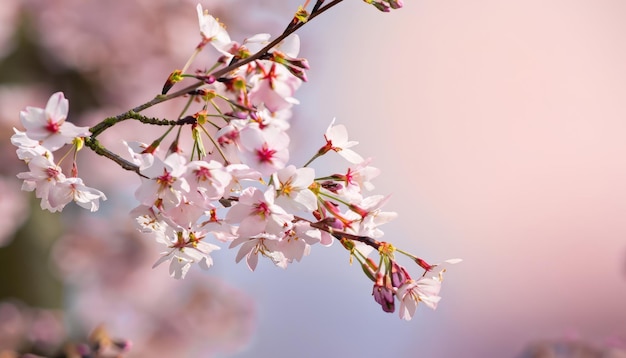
(360, 176)
(274, 85)
(54, 189)
(185, 248)
(264, 150)
(73, 189)
(383, 293)
(208, 181)
(49, 125)
(141, 154)
(262, 244)
(257, 213)
(212, 31)
(43, 178)
(424, 289)
(297, 241)
(292, 188)
(337, 140)
(231, 179)
(165, 184)
(27, 148)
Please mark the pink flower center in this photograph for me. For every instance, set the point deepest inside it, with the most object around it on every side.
(262, 209)
(53, 127)
(349, 177)
(52, 172)
(203, 174)
(166, 179)
(265, 155)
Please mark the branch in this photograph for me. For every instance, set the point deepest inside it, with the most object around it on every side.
(321, 225)
(219, 73)
(94, 145)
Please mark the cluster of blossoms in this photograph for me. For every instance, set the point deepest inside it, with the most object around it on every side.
(241, 190)
(46, 132)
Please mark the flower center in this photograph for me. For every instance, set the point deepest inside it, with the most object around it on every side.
(265, 155)
(53, 127)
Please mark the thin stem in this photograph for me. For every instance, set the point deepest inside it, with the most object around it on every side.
(219, 150)
(341, 234)
(317, 155)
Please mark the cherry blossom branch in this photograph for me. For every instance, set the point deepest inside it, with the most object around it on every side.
(219, 73)
(179, 201)
(134, 113)
(94, 145)
(339, 235)
(111, 121)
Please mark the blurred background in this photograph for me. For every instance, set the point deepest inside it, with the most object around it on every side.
(499, 129)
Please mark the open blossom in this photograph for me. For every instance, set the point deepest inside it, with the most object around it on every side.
(212, 31)
(366, 216)
(262, 244)
(424, 289)
(257, 213)
(207, 180)
(184, 249)
(337, 140)
(141, 154)
(359, 177)
(49, 125)
(27, 148)
(292, 188)
(165, 184)
(264, 150)
(297, 241)
(54, 189)
(274, 85)
(84, 196)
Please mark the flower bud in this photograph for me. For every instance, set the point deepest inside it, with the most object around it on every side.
(396, 4)
(174, 77)
(398, 275)
(423, 264)
(383, 293)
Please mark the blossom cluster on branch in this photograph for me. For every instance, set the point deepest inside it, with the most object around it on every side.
(234, 183)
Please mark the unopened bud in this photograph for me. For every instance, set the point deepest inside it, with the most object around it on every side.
(152, 147)
(331, 186)
(423, 264)
(398, 275)
(298, 72)
(380, 6)
(362, 212)
(396, 4)
(383, 293)
(368, 271)
(174, 77)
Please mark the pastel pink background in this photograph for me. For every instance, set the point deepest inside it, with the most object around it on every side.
(500, 129)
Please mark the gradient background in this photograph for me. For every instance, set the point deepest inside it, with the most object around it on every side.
(499, 128)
